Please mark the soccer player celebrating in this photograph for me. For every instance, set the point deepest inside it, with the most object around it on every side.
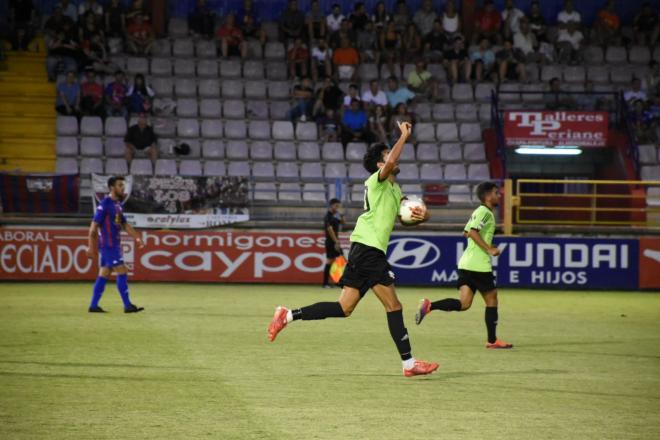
(367, 266)
(104, 233)
(475, 271)
(333, 249)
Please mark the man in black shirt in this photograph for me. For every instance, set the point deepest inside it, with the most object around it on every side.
(141, 137)
(332, 246)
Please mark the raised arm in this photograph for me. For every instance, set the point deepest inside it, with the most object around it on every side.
(395, 152)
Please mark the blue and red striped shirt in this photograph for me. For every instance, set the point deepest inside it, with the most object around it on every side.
(110, 218)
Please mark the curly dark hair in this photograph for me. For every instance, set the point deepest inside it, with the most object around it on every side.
(374, 155)
(484, 188)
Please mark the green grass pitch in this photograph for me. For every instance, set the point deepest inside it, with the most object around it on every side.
(197, 364)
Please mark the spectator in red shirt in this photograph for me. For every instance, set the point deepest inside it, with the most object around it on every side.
(606, 28)
(346, 58)
(140, 36)
(488, 23)
(91, 102)
(231, 39)
(298, 59)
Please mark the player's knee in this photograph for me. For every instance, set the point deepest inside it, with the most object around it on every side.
(348, 310)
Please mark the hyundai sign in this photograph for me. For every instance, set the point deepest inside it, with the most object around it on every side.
(524, 262)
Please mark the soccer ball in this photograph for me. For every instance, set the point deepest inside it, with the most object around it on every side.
(407, 206)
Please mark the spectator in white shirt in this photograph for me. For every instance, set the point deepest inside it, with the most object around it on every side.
(511, 18)
(353, 93)
(333, 21)
(568, 15)
(569, 44)
(635, 92)
(321, 60)
(525, 41)
(374, 96)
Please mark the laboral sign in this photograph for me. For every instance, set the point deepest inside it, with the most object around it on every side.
(588, 129)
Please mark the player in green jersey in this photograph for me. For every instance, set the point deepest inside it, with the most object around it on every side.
(367, 266)
(475, 271)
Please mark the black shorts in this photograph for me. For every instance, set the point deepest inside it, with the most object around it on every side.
(367, 266)
(481, 281)
(330, 251)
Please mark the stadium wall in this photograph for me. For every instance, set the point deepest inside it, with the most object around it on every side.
(238, 256)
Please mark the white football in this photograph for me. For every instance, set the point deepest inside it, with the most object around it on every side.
(407, 206)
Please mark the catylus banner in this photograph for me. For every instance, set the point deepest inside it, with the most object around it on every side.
(181, 202)
(39, 194)
(588, 129)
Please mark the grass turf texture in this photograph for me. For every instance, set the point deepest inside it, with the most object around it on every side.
(197, 364)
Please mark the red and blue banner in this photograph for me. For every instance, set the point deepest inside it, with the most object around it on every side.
(39, 193)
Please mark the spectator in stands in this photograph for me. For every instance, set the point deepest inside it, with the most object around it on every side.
(377, 123)
(346, 60)
(249, 23)
(355, 125)
(587, 101)
(92, 6)
(510, 63)
(511, 19)
(390, 42)
(635, 91)
(555, 99)
(345, 31)
(303, 96)
(231, 39)
(329, 96)
(424, 18)
(487, 25)
(400, 114)
(137, 8)
(359, 18)
(569, 44)
(524, 41)
(115, 96)
(483, 60)
(334, 19)
(456, 60)
(69, 10)
(537, 22)
(374, 97)
(368, 44)
(21, 17)
(68, 96)
(321, 62)
(353, 93)
(329, 126)
(201, 20)
(397, 95)
(88, 28)
(451, 21)
(62, 47)
(298, 59)
(568, 15)
(380, 17)
(411, 45)
(651, 83)
(140, 96)
(91, 102)
(140, 36)
(315, 21)
(435, 43)
(421, 82)
(606, 28)
(646, 26)
(401, 16)
(115, 19)
(642, 121)
(140, 138)
(292, 22)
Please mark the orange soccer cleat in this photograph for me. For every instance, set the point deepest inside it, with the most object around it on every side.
(421, 368)
(498, 344)
(277, 323)
(424, 309)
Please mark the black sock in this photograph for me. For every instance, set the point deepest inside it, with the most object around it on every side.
(326, 274)
(491, 323)
(447, 304)
(320, 310)
(399, 334)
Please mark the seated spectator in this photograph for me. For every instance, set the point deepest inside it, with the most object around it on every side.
(69, 9)
(334, 19)
(555, 99)
(651, 83)
(511, 19)
(488, 22)
(635, 92)
(646, 27)
(424, 18)
(137, 8)
(115, 96)
(397, 95)
(346, 60)
(359, 18)
(355, 125)
(68, 96)
(400, 114)
(94, 7)
(344, 31)
(231, 39)
(329, 96)
(249, 23)
(401, 16)
(374, 97)
(436, 42)
(21, 17)
(588, 101)
(606, 27)
(511, 65)
(377, 123)
(411, 45)
(201, 20)
(292, 22)
(140, 138)
(303, 98)
(390, 44)
(451, 20)
(368, 43)
(140, 96)
(329, 126)
(380, 17)
(569, 44)
(353, 93)
(89, 29)
(483, 60)
(525, 43)
(91, 102)
(321, 61)
(298, 58)
(421, 81)
(115, 19)
(568, 15)
(457, 60)
(61, 45)
(537, 22)
(140, 36)
(316, 22)
(642, 121)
